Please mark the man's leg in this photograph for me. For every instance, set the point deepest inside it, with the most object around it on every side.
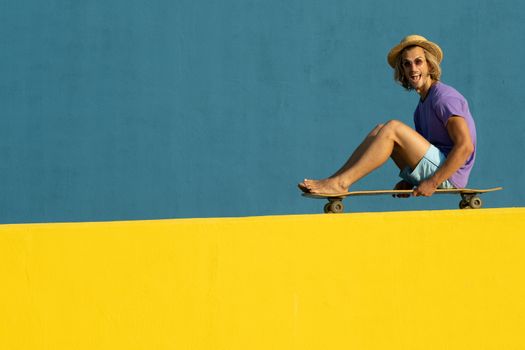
(359, 150)
(393, 139)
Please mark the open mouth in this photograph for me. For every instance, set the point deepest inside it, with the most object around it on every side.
(415, 76)
(414, 79)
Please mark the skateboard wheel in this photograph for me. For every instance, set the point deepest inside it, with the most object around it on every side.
(475, 202)
(327, 208)
(336, 207)
(464, 204)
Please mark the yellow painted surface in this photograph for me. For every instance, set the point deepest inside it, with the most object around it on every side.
(409, 280)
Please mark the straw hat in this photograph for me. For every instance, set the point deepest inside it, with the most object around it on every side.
(412, 40)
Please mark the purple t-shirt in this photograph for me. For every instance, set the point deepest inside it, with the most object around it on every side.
(431, 117)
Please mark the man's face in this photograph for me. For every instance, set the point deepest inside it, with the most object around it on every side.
(415, 67)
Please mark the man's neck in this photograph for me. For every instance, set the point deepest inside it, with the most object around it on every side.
(423, 92)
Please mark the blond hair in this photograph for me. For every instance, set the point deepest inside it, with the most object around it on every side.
(433, 68)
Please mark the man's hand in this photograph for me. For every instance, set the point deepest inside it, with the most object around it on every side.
(403, 185)
(426, 188)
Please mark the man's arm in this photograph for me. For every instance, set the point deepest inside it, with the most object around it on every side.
(459, 133)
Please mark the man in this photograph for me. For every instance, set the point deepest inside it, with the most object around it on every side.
(439, 153)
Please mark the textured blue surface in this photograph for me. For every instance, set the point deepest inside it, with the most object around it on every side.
(117, 109)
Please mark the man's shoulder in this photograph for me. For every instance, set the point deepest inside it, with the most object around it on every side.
(445, 94)
(443, 90)
(448, 101)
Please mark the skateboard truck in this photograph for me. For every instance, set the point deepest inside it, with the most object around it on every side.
(334, 205)
(470, 201)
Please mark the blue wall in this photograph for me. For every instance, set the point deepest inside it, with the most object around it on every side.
(154, 109)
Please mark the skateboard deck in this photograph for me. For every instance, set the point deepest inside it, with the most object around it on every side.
(470, 197)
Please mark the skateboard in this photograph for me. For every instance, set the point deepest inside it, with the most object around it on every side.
(470, 197)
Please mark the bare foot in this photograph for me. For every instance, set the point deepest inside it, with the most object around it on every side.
(325, 186)
(302, 187)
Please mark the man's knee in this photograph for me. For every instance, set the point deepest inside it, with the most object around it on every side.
(393, 130)
(376, 130)
(394, 123)
(393, 126)
(390, 127)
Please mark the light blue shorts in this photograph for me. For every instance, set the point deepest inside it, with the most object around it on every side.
(431, 161)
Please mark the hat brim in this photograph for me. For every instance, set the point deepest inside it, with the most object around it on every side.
(427, 45)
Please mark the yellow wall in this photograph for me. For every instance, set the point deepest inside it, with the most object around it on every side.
(409, 280)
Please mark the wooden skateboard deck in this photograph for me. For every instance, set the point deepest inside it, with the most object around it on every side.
(470, 197)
